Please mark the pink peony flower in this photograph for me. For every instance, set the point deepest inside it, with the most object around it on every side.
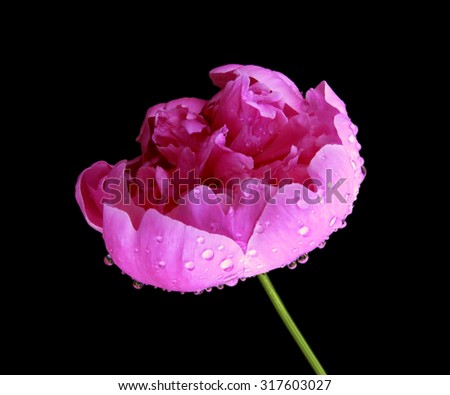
(230, 188)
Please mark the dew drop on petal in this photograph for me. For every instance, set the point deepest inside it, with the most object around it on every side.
(189, 265)
(351, 139)
(232, 282)
(292, 265)
(147, 251)
(227, 265)
(295, 250)
(322, 245)
(354, 165)
(208, 254)
(259, 228)
(108, 261)
(253, 253)
(302, 204)
(344, 224)
(162, 264)
(208, 289)
(136, 249)
(303, 259)
(220, 286)
(221, 247)
(333, 221)
(198, 292)
(267, 223)
(159, 239)
(200, 240)
(243, 279)
(304, 231)
(238, 235)
(137, 285)
(274, 249)
(364, 170)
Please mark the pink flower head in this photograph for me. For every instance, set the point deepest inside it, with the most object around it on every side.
(230, 188)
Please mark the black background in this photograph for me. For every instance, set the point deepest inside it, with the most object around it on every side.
(362, 304)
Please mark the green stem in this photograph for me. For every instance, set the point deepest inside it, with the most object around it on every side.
(290, 324)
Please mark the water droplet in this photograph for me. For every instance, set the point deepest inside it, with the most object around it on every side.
(108, 261)
(189, 265)
(247, 144)
(198, 292)
(238, 235)
(295, 250)
(364, 170)
(197, 191)
(159, 239)
(333, 221)
(243, 279)
(162, 264)
(322, 245)
(214, 226)
(232, 282)
(137, 285)
(274, 249)
(351, 139)
(221, 247)
(227, 265)
(147, 251)
(344, 224)
(304, 231)
(220, 286)
(303, 259)
(208, 254)
(252, 253)
(259, 228)
(267, 223)
(353, 164)
(200, 240)
(208, 289)
(292, 265)
(312, 243)
(136, 249)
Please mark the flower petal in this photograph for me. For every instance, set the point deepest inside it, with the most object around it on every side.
(275, 81)
(88, 193)
(169, 254)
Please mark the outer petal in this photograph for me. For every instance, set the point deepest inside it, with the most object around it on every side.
(88, 192)
(169, 254)
(288, 230)
(91, 195)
